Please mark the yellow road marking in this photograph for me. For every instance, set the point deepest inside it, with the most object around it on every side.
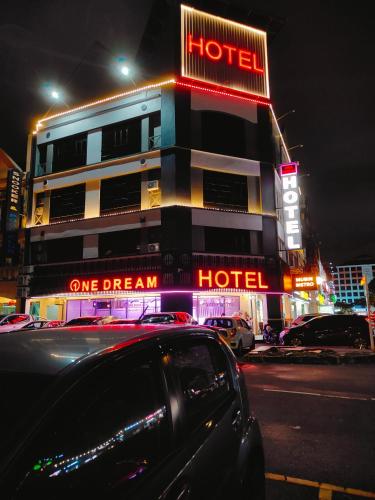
(325, 489)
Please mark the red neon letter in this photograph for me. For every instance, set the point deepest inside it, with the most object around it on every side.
(106, 285)
(230, 50)
(139, 283)
(202, 278)
(94, 285)
(152, 281)
(236, 274)
(192, 44)
(250, 278)
(244, 57)
(218, 55)
(258, 70)
(117, 284)
(85, 286)
(226, 283)
(260, 282)
(127, 283)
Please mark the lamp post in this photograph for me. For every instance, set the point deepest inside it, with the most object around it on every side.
(295, 147)
(285, 114)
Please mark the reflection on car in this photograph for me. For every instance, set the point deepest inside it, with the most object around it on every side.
(150, 412)
(12, 322)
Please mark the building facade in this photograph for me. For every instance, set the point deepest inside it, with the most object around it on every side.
(165, 197)
(11, 181)
(347, 281)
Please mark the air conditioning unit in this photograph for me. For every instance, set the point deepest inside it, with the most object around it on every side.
(153, 185)
(153, 247)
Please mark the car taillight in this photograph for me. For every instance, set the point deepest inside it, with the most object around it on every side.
(232, 332)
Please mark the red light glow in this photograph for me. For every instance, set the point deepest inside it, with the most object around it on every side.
(288, 168)
(118, 283)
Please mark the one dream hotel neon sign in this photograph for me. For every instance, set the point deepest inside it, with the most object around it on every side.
(292, 220)
(223, 53)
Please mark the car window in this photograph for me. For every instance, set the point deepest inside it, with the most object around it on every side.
(107, 435)
(203, 375)
(158, 318)
(244, 324)
(221, 322)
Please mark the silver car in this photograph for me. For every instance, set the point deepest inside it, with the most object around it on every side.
(239, 335)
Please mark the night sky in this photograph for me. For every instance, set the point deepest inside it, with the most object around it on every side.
(321, 65)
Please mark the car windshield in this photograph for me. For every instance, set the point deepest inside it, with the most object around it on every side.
(82, 321)
(18, 393)
(221, 322)
(157, 318)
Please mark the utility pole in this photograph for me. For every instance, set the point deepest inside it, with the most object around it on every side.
(364, 283)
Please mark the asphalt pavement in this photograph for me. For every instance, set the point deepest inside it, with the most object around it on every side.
(318, 426)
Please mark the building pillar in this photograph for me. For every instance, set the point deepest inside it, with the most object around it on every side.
(275, 314)
(90, 246)
(92, 201)
(94, 147)
(176, 302)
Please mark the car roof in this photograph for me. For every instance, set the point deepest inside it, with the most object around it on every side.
(49, 351)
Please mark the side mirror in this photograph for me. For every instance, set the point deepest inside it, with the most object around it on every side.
(194, 322)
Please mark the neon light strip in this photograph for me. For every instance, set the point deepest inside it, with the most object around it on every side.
(180, 83)
(281, 135)
(222, 19)
(106, 99)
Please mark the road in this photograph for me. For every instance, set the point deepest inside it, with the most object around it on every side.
(318, 423)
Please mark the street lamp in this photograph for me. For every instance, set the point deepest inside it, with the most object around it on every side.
(295, 147)
(286, 114)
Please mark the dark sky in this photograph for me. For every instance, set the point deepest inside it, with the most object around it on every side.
(321, 65)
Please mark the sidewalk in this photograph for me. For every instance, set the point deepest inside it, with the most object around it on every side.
(308, 355)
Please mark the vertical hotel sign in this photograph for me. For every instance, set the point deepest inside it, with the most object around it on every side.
(292, 220)
(223, 53)
(12, 216)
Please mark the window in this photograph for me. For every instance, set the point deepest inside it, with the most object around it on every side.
(67, 202)
(204, 379)
(119, 243)
(120, 193)
(227, 240)
(69, 152)
(41, 167)
(121, 139)
(225, 190)
(59, 250)
(116, 435)
(220, 322)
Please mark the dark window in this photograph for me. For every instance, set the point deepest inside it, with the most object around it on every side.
(121, 139)
(120, 193)
(225, 190)
(227, 240)
(117, 434)
(69, 152)
(59, 250)
(223, 133)
(67, 202)
(204, 378)
(154, 133)
(220, 322)
(119, 243)
(41, 168)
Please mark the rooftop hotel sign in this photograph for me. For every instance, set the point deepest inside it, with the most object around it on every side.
(292, 220)
(222, 52)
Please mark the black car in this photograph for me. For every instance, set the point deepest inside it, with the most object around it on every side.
(338, 329)
(138, 412)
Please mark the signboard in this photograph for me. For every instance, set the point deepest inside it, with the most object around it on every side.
(222, 52)
(120, 283)
(12, 214)
(292, 220)
(305, 282)
(252, 280)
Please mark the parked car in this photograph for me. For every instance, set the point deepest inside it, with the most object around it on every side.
(14, 322)
(179, 317)
(90, 320)
(154, 411)
(338, 329)
(239, 335)
(306, 317)
(43, 323)
(124, 322)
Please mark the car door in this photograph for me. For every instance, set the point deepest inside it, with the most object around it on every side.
(107, 438)
(324, 330)
(247, 337)
(208, 415)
